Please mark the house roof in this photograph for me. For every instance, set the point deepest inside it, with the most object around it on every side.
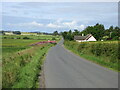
(82, 37)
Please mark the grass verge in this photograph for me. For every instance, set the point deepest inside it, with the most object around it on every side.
(101, 60)
(21, 70)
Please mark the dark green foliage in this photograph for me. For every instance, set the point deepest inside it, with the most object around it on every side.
(53, 38)
(76, 32)
(18, 38)
(68, 35)
(55, 33)
(26, 38)
(81, 46)
(4, 37)
(17, 32)
(98, 31)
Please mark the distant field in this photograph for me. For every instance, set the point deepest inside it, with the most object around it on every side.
(11, 46)
(22, 62)
(13, 43)
(39, 37)
(18, 42)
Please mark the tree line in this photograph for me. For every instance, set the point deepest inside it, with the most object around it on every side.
(39, 33)
(98, 31)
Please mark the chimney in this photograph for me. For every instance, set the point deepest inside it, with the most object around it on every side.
(82, 34)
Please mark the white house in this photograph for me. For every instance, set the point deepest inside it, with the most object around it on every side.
(88, 37)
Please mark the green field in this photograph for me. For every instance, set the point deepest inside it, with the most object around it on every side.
(14, 45)
(105, 53)
(22, 62)
(39, 37)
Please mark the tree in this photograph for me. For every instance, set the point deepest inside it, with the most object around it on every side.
(70, 32)
(17, 32)
(68, 35)
(111, 28)
(55, 33)
(76, 32)
(64, 34)
(113, 32)
(97, 31)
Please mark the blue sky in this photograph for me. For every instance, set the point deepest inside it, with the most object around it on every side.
(51, 16)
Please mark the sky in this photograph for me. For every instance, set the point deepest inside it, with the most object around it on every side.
(60, 16)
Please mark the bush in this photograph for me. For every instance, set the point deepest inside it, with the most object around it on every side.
(53, 38)
(17, 32)
(18, 37)
(4, 37)
(26, 38)
(108, 51)
(12, 38)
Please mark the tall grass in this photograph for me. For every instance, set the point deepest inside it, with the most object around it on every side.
(21, 70)
(103, 53)
(21, 63)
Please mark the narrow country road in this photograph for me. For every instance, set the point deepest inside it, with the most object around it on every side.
(63, 69)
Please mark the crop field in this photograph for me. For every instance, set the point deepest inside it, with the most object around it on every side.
(21, 62)
(105, 53)
(14, 45)
(36, 37)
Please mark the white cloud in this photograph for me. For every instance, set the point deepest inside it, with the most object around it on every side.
(58, 24)
(31, 24)
(82, 27)
(70, 24)
(35, 24)
(50, 25)
(63, 25)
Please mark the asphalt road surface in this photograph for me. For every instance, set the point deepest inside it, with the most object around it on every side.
(63, 69)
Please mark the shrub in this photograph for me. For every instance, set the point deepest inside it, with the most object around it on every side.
(17, 32)
(18, 37)
(4, 37)
(53, 38)
(108, 51)
(12, 38)
(26, 38)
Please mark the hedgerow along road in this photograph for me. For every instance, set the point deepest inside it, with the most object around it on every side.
(63, 69)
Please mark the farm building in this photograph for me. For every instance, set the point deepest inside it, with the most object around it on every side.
(8, 33)
(82, 38)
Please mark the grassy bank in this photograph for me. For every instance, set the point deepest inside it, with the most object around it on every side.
(21, 63)
(21, 70)
(103, 53)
